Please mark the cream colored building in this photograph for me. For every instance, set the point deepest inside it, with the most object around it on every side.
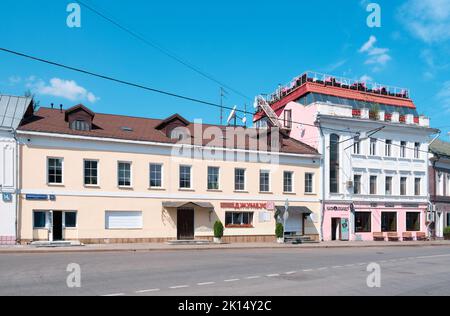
(101, 178)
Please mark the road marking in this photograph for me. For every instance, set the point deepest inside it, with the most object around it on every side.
(253, 277)
(291, 272)
(349, 265)
(436, 256)
(178, 287)
(147, 291)
(206, 283)
(362, 264)
(115, 294)
(308, 270)
(337, 267)
(231, 280)
(272, 275)
(322, 269)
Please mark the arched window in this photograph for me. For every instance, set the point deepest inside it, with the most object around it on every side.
(79, 125)
(334, 163)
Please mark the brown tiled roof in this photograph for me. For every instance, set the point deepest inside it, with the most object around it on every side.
(48, 120)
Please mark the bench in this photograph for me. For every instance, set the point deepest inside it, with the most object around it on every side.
(407, 236)
(421, 236)
(378, 236)
(393, 237)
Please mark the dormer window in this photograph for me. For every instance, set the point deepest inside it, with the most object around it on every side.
(80, 125)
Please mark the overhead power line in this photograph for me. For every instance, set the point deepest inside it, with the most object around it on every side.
(140, 86)
(161, 49)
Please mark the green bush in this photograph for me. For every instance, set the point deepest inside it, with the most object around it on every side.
(218, 229)
(447, 231)
(279, 230)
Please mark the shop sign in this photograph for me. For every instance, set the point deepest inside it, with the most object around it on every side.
(40, 197)
(7, 197)
(244, 205)
(338, 208)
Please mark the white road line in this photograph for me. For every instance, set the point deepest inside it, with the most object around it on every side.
(115, 294)
(272, 275)
(436, 256)
(206, 283)
(322, 269)
(178, 287)
(147, 291)
(231, 280)
(291, 272)
(362, 264)
(253, 277)
(337, 267)
(308, 270)
(349, 265)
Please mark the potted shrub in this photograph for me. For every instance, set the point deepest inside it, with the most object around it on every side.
(279, 232)
(218, 232)
(447, 233)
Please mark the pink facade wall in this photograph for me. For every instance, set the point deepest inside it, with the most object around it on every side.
(376, 220)
(307, 134)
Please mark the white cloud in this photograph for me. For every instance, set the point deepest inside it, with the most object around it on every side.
(444, 96)
(67, 89)
(428, 20)
(366, 78)
(376, 55)
(13, 80)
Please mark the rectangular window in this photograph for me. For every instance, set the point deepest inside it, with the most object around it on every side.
(288, 119)
(363, 222)
(185, 177)
(388, 186)
(123, 220)
(389, 222)
(403, 186)
(156, 175)
(357, 147)
(388, 148)
(264, 181)
(90, 172)
(239, 179)
(413, 222)
(357, 184)
(417, 150)
(309, 182)
(403, 149)
(55, 170)
(373, 146)
(373, 185)
(124, 174)
(288, 180)
(417, 186)
(39, 220)
(213, 178)
(241, 219)
(70, 219)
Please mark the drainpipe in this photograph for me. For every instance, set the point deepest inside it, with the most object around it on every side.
(17, 184)
(430, 204)
(322, 163)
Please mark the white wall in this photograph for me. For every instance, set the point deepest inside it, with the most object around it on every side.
(7, 185)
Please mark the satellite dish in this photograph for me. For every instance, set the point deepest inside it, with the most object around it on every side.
(232, 115)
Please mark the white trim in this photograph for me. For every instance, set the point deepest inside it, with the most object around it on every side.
(176, 196)
(131, 174)
(98, 174)
(191, 179)
(47, 174)
(313, 180)
(218, 178)
(150, 176)
(147, 143)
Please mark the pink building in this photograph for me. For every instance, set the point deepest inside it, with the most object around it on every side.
(374, 144)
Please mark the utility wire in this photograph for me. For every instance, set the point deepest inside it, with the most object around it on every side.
(161, 49)
(140, 86)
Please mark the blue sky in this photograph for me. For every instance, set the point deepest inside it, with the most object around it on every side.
(250, 45)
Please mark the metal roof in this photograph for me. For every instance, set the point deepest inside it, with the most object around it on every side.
(12, 109)
(440, 147)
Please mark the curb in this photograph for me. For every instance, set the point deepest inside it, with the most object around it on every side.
(135, 250)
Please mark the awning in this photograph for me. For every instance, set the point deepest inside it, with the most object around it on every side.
(294, 210)
(178, 204)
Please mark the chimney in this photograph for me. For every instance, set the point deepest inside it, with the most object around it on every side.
(52, 105)
(61, 108)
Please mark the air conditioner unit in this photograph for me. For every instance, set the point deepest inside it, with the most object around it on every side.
(349, 184)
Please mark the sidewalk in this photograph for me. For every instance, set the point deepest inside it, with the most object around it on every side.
(236, 246)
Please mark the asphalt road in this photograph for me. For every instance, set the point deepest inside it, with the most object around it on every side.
(404, 271)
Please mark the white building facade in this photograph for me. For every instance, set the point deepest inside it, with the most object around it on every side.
(374, 145)
(12, 110)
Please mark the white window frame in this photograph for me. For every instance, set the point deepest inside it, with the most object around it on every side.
(360, 183)
(98, 173)
(292, 179)
(392, 185)
(388, 148)
(62, 172)
(245, 179)
(373, 146)
(191, 182)
(131, 174)
(150, 175)
(400, 185)
(218, 178)
(124, 228)
(403, 149)
(376, 184)
(64, 220)
(313, 180)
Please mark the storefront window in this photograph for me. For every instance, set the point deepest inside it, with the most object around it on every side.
(238, 219)
(70, 219)
(39, 219)
(413, 222)
(363, 222)
(389, 222)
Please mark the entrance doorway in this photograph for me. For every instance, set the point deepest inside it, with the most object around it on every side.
(336, 229)
(57, 226)
(185, 224)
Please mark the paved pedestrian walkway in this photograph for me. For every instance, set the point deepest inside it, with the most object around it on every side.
(166, 247)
